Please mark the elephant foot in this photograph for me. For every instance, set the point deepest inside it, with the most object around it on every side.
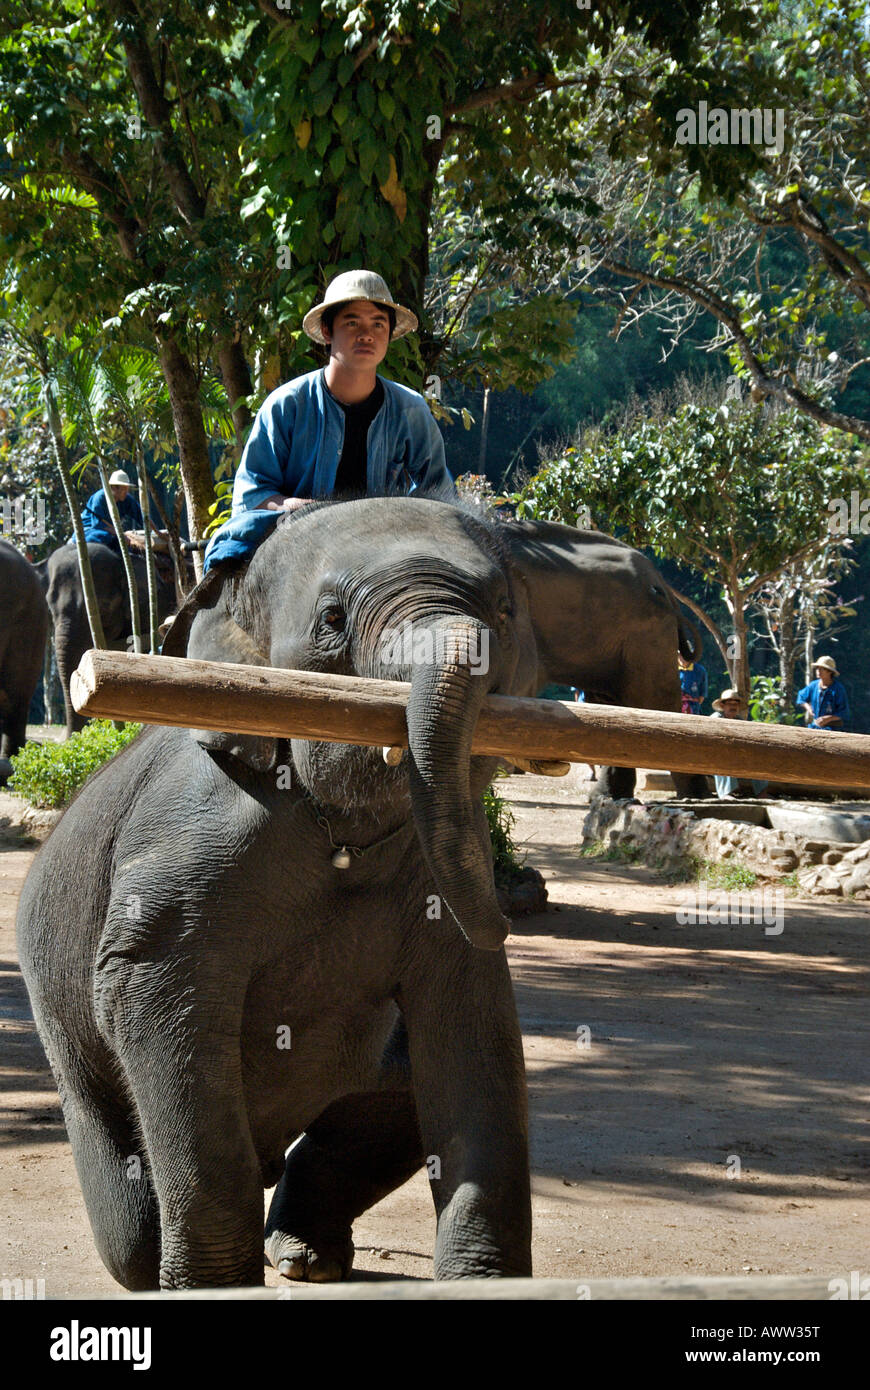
(326, 1263)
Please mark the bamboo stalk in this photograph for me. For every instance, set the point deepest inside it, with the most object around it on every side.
(350, 709)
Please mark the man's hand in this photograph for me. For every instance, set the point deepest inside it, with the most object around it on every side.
(277, 503)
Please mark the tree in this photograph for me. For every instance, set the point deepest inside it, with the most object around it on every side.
(202, 174)
(733, 492)
(768, 244)
(802, 600)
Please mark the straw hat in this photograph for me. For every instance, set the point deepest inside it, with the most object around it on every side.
(731, 694)
(358, 284)
(119, 479)
(829, 664)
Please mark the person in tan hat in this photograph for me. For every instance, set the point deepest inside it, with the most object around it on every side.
(731, 705)
(97, 519)
(341, 430)
(824, 700)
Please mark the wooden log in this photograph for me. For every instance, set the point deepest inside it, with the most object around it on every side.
(350, 709)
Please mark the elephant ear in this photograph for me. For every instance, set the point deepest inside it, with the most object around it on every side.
(207, 627)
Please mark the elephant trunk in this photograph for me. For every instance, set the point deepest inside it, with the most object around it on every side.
(442, 712)
(69, 647)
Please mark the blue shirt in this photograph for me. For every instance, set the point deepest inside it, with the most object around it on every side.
(693, 683)
(97, 519)
(830, 699)
(295, 445)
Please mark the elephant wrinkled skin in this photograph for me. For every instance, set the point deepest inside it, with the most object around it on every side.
(210, 988)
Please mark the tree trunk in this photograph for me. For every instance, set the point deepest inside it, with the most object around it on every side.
(150, 570)
(787, 652)
(196, 476)
(738, 660)
(809, 643)
(92, 608)
(236, 377)
(484, 431)
(173, 533)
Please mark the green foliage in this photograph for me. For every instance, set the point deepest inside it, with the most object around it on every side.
(766, 703)
(721, 489)
(500, 819)
(47, 774)
(726, 874)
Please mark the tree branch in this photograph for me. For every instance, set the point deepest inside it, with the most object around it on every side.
(763, 384)
(157, 111)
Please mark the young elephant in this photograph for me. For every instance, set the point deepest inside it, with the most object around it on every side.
(210, 984)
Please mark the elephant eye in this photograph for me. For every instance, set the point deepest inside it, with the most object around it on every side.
(334, 617)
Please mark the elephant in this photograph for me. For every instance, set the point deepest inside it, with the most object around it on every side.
(281, 960)
(72, 634)
(606, 622)
(23, 633)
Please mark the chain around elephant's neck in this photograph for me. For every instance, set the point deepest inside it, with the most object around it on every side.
(341, 852)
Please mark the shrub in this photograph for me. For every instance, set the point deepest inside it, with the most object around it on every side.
(500, 818)
(729, 874)
(47, 774)
(767, 705)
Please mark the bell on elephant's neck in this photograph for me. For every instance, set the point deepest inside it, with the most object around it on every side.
(341, 859)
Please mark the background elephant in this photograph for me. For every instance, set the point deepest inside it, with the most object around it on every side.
(210, 986)
(23, 634)
(72, 635)
(605, 622)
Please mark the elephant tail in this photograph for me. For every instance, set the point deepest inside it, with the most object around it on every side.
(690, 644)
(689, 641)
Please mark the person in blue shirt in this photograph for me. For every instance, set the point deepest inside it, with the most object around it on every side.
(97, 519)
(339, 430)
(824, 700)
(693, 685)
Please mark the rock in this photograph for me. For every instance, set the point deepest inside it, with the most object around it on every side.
(828, 822)
(857, 882)
(822, 880)
(832, 856)
(39, 821)
(523, 894)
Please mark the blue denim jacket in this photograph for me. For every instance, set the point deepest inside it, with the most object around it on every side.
(97, 519)
(295, 445)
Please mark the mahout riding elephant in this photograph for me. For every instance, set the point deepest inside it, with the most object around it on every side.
(604, 621)
(23, 634)
(290, 942)
(72, 634)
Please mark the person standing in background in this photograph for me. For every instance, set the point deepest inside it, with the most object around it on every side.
(693, 685)
(824, 700)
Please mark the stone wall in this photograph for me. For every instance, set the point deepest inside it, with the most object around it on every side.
(669, 839)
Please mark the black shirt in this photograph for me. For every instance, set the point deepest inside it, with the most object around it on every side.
(350, 476)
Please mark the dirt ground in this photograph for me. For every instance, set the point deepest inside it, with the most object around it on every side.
(705, 1043)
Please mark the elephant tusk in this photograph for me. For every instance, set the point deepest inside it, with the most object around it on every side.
(393, 755)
